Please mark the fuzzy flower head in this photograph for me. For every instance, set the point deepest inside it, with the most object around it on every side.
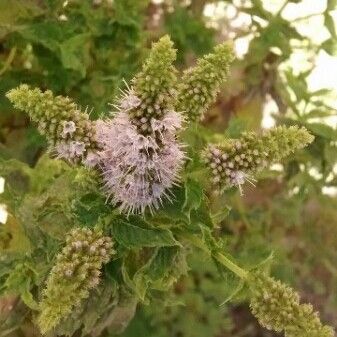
(77, 270)
(235, 161)
(231, 165)
(139, 170)
(141, 157)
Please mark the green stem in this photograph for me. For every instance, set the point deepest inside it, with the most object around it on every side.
(306, 17)
(8, 61)
(222, 259)
(282, 8)
(225, 261)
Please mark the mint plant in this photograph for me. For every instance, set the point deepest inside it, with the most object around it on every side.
(109, 220)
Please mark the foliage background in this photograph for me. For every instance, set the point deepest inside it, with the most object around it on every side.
(84, 49)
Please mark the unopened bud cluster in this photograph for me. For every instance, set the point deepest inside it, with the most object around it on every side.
(277, 307)
(69, 131)
(281, 141)
(201, 84)
(154, 87)
(77, 270)
(234, 161)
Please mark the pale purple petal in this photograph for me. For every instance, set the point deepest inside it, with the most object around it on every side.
(136, 170)
(69, 127)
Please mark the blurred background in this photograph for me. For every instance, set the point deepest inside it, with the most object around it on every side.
(285, 72)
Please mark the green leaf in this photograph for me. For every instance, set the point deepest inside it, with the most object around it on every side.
(322, 130)
(221, 215)
(90, 207)
(132, 236)
(13, 237)
(257, 9)
(28, 299)
(234, 293)
(330, 46)
(330, 24)
(299, 87)
(316, 113)
(188, 33)
(118, 318)
(93, 312)
(235, 127)
(201, 216)
(160, 271)
(75, 53)
(47, 34)
(331, 5)
(156, 272)
(193, 195)
(20, 280)
(172, 211)
(11, 12)
(17, 177)
(162, 262)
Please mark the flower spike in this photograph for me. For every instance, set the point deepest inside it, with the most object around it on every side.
(201, 84)
(235, 161)
(277, 307)
(141, 157)
(70, 133)
(153, 87)
(77, 270)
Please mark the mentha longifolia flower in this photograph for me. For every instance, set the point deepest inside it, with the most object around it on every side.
(141, 156)
(77, 270)
(69, 127)
(235, 161)
(277, 307)
(139, 169)
(232, 163)
(70, 133)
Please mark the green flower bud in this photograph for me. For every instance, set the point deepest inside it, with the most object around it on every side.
(152, 93)
(277, 307)
(281, 141)
(201, 84)
(234, 161)
(76, 271)
(69, 131)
